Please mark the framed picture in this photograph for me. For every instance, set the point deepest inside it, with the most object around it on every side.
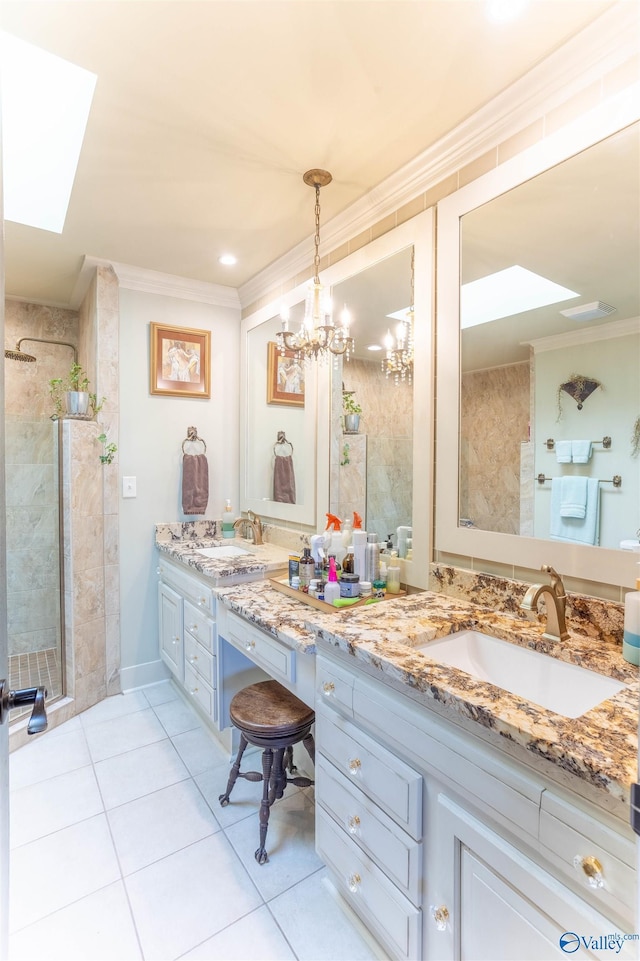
(180, 361)
(285, 377)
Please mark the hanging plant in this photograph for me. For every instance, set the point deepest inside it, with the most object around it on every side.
(579, 387)
(108, 451)
(635, 438)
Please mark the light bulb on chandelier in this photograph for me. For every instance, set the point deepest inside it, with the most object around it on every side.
(398, 361)
(317, 336)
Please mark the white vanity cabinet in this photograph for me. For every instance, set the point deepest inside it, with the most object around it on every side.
(188, 641)
(448, 847)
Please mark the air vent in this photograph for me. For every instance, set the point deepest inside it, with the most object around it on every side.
(589, 311)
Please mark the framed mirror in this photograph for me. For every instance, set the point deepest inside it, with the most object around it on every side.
(511, 374)
(318, 426)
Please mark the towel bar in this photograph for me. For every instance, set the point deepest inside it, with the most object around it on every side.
(616, 480)
(550, 443)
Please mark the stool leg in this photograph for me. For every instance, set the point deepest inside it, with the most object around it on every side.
(278, 776)
(267, 762)
(235, 770)
(309, 743)
(288, 759)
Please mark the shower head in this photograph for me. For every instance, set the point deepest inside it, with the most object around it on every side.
(18, 354)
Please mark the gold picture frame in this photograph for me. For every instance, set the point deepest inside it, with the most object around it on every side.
(285, 377)
(180, 361)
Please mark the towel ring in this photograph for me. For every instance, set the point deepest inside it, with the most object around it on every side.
(192, 436)
(282, 439)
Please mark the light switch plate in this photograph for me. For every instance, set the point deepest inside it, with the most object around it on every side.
(128, 486)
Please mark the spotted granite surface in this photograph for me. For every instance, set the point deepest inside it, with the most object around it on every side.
(263, 560)
(600, 747)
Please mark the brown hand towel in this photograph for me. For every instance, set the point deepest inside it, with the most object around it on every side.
(284, 480)
(195, 483)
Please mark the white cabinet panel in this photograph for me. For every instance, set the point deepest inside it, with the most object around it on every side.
(171, 630)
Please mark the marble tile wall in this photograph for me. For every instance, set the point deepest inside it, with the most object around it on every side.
(494, 424)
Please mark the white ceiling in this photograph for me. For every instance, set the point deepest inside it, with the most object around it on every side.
(207, 113)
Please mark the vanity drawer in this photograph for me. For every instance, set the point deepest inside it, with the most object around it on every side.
(199, 625)
(374, 898)
(199, 691)
(201, 594)
(278, 660)
(199, 660)
(392, 849)
(373, 769)
(575, 841)
(334, 685)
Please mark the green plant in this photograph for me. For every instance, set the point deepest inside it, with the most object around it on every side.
(349, 405)
(76, 379)
(109, 450)
(635, 438)
(95, 404)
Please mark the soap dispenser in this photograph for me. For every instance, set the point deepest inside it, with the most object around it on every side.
(631, 636)
(332, 588)
(228, 520)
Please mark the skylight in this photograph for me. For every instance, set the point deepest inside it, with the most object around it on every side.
(507, 292)
(45, 107)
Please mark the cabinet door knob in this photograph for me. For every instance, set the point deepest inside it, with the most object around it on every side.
(202, 600)
(353, 823)
(250, 645)
(328, 688)
(176, 639)
(354, 765)
(194, 691)
(354, 882)
(194, 628)
(592, 870)
(193, 659)
(440, 916)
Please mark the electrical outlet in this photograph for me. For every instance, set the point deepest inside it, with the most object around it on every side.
(128, 487)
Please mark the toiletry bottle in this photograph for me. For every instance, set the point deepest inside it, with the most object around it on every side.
(348, 561)
(306, 569)
(359, 552)
(393, 579)
(332, 588)
(631, 636)
(372, 559)
(228, 520)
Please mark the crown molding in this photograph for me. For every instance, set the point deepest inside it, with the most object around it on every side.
(155, 282)
(586, 335)
(608, 42)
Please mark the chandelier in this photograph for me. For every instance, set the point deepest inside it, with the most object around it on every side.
(399, 346)
(318, 336)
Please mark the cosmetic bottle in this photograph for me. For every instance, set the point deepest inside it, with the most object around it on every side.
(306, 569)
(349, 585)
(228, 520)
(332, 588)
(393, 579)
(631, 636)
(359, 552)
(372, 558)
(348, 561)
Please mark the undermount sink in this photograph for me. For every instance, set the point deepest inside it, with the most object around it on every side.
(223, 550)
(564, 688)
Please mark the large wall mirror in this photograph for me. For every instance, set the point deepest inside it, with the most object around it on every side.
(536, 399)
(395, 422)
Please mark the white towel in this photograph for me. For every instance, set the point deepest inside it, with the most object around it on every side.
(573, 496)
(584, 530)
(563, 451)
(581, 451)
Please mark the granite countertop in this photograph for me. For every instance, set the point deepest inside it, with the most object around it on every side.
(600, 747)
(261, 559)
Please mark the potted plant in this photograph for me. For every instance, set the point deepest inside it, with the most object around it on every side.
(71, 394)
(352, 410)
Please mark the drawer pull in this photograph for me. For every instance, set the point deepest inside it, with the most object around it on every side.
(194, 628)
(250, 645)
(328, 688)
(354, 883)
(592, 869)
(354, 765)
(194, 691)
(353, 823)
(202, 600)
(192, 660)
(440, 916)
(175, 640)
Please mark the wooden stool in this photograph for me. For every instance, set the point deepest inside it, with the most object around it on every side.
(271, 717)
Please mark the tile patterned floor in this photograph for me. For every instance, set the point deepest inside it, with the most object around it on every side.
(121, 851)
(35, 669)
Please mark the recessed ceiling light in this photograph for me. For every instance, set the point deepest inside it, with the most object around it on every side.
(507, 292)
(228, 260)
(374, 347)
(45, 108)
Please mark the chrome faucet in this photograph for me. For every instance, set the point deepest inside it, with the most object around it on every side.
(555, 603)
(253, 522)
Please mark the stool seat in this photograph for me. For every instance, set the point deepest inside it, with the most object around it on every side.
(271, 717)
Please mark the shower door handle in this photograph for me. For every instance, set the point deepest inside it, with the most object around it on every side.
(28, 695)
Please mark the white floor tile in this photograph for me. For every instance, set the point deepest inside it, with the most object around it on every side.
(49, 806)
(257, 937)
(316, 926)
(177, 717)
(189, 896)
(114, 706)
(290, 845)
(73, 724)
(160, 693)
(159, 824)
(245, 797)
(136, 773)
(199, 750)
(48, 757)
(99, 927)
(121, 734)
(57, 870)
